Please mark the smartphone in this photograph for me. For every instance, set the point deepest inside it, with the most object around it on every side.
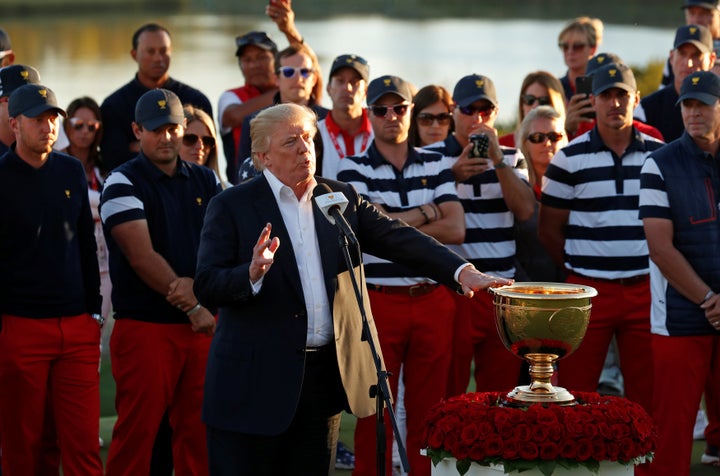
(583, 85)
(481, 144)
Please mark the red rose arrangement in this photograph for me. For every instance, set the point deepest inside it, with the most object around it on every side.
(476, 427)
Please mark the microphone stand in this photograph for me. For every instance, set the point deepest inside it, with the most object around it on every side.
(380, 391)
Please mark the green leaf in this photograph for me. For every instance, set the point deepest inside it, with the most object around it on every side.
(463, 465)
(547, 467)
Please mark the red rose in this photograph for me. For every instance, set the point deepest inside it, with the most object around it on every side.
(469, 433)
(528, 450)
(568, 450)
(435, 440)
(598, 450)
(612, 449)
(522, 432)
(584, 449)
(493, 446)
(549, 451)
(510, 449)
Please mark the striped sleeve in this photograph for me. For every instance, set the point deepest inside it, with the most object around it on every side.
(118, 202)
(653, 195)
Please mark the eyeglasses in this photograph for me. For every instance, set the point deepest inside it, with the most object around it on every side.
(574, 46)
(541, 137)
(191, 139)
(77, 124)
(484, 111)
(289, 71)
(529, 100)
(427, 119)
(381, 111)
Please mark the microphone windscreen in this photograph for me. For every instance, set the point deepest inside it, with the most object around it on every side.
(321, 189)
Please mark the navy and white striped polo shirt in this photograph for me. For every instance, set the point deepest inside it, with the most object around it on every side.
(426, 177)
(604, 237)
(489, 236)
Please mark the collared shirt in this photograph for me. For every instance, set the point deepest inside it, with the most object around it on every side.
(425, 177)
(604, 237)
(489, 236)
(174, 209)
(300, 224)
(338, 144)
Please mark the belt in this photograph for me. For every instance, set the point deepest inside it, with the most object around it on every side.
(314, 350)
(413, 291)
(621, 281)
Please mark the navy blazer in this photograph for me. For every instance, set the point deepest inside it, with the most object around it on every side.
(255, 372)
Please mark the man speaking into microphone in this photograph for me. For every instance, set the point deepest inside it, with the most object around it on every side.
(287, 356)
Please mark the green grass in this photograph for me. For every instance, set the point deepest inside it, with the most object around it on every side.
(347, 427)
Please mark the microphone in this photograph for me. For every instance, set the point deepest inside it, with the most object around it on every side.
(332, 205)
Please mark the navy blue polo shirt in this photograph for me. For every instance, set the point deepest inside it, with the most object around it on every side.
(48, 260)
(174, 208)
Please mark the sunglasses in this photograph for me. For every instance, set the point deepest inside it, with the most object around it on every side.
(484, 111)
(541, 137)
(529, 100)
(574, 46)
(381, 111)
(427, 119)
(289, 71)
(77, 124)
(191, 139)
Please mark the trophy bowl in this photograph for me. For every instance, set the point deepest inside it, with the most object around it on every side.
(542, 323)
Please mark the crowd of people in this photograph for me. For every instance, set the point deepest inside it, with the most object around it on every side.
(233, 329)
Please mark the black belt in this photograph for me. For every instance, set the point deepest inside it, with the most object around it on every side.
(413, 291)
(621, 281)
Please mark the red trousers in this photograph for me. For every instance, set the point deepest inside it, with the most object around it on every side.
(475, 336)
(50, 363)
(417, 333)
(682, 367)
(157, 368)
(623, 311)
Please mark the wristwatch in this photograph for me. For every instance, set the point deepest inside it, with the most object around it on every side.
(98, 318)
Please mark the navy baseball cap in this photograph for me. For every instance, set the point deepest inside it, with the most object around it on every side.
(16, 75)
(613, 75)
(31, 100)
(697, 35)
(704, 4)
(351, 61)
(158, 107)
(383, 85)
(701, 85)
(256, 38)
(473, 88)
(599, 60)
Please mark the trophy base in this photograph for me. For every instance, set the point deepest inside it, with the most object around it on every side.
(523, 396)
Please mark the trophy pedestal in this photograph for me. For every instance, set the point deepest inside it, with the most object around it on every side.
(540, 389)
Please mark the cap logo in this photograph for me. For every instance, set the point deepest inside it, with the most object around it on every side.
(67, 193)
(199, 201)
(162, 103)
(695, 80)
(601, 59)
(387, 82)
(612, 72)
(424, 182)
(349, 60)
(692, 30)
(42, 92)
(24, 74)
(479, 83)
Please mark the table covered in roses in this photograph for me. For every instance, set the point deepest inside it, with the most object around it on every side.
(477, 432)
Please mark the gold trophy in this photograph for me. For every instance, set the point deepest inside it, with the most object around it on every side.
(542, 323)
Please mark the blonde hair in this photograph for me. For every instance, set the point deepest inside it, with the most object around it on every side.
(267, 120)
(591, 28)
(553, 85)
(521, 135)
(193, 114)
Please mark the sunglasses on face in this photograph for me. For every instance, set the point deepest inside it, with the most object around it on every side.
(529, 100)
(289, 71)
(484, 111)
(77, 124)
(541, 137)
(191, 139)
(572, 46)
(427, 119)
(381, 111)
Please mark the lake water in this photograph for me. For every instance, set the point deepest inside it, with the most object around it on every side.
(90, 55)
